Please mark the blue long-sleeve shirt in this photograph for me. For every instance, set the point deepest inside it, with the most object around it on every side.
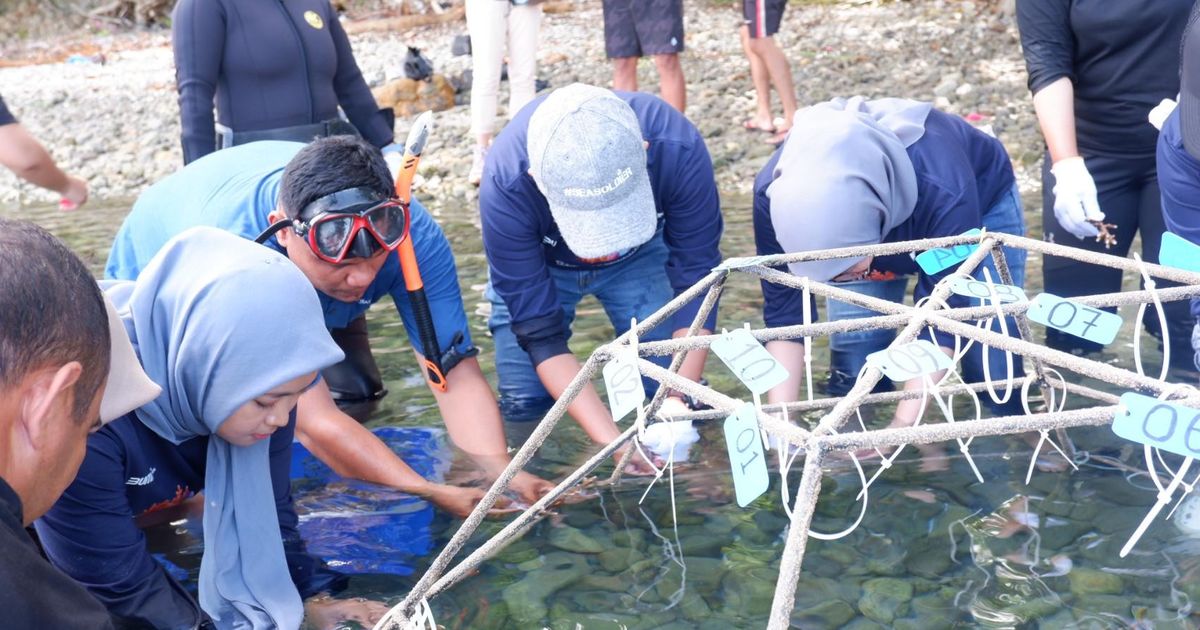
(1179, 183)
(91, 535)
(522, 240)
(235, 189)
(269, 64)
(1121, 57)
(961, 173)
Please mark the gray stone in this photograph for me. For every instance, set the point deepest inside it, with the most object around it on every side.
(571, 539)
(884, 599)
(526, 599)
(829, 614)
(1090, 581)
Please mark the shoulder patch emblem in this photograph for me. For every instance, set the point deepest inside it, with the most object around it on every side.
(314, 20)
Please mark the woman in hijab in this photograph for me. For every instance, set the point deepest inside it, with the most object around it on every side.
(233, 333)
(858, 172)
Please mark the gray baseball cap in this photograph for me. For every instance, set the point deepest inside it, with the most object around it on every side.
(587, 156)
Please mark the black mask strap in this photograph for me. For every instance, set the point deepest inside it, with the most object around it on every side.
(273, 229)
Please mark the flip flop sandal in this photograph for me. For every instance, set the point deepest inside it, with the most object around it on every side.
(750, 125)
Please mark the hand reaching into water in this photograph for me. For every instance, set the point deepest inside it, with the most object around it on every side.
(460, 501)
(325, 613)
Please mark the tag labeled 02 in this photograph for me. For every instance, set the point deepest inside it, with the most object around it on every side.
(1160, 424)
(1178, 252)
(935, 261)
(1074, 318)
(969, 287)
(749, 360)
(623, 382)
(746, 459)
(910, 360)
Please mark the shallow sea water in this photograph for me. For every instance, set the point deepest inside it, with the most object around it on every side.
(935, 549)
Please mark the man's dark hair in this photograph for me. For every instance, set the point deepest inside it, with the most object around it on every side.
(331, 164)
(51, 312)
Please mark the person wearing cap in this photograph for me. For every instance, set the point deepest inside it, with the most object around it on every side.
(22, 154)
(590, 191)
(1095, 70)
(636, 28)
(1178, 159)
(861, 172)
(333, 196)
(205, 318)
(66, 368)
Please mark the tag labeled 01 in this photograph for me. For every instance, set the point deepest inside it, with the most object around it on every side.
(1178, 252)
(623, 382)
(910, 360)
(1160, 424)
(972, 288)
(749, 360)
(1074, 318)
(746, 459)
(935, 261)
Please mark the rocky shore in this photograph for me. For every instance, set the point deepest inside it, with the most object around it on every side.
(117, 123)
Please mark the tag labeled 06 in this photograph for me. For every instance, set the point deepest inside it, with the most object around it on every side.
(1074, 318)
(746, 459)
(910, 360)
(623, 382)
(1160, 424)
(749, 360)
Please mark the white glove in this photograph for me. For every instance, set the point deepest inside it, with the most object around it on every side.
(393, 154)
(1075, 197)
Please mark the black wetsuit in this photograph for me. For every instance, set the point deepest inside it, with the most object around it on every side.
(270, 64)
(1122, 58)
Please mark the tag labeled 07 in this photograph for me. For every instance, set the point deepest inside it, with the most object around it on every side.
(935, 261)
(1160, 424)
(749, 360)
(910, 360)
(623, 382)
(1074, 318)
(746, 459)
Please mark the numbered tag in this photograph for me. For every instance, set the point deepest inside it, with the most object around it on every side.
(740, 263)
(746, 458)
(1074, 318)
(1178, 252)
(623, 382)
(1160, 424)
(910, 360)
(935, 261)
(749, 360)
(969, 287)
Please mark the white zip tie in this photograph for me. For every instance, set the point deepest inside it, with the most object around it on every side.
(1008, 355)
(1151, 286)
(806, 310)
(1044, 438)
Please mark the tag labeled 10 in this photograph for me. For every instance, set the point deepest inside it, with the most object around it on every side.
(910, 360)
(623, 382)
(749, 360)
(1160, 424)
(746, 459)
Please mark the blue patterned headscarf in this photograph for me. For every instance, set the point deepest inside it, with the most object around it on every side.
(218, 320)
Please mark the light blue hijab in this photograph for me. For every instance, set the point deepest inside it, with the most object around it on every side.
(844, 178)
(218, 320)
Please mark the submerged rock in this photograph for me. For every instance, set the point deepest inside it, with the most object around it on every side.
(829, 614)
(1089, 581)
(571, 539)
(884, 599)
(527, 599)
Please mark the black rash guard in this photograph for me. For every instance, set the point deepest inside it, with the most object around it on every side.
(270, 64)
(1122, 57)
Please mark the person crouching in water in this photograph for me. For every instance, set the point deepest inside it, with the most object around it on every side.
(857, 172)
(234, 334)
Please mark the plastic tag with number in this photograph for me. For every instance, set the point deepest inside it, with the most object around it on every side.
(746, 459)
(910, 360)
(740, 263)
(623, 382)
(1178, 252)
(1159, 424)
(749, 360)
(1074, 318)
(935, 261)
(969, 287)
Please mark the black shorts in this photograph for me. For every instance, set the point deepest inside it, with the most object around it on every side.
(763, 16)
(636, 28)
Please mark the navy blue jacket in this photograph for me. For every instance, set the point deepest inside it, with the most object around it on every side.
(521, 239)
(961, 173)
(91, 534)
(269, 63)
(34, 594)
(1179, 181)
(1122, 58)
(6, 117)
